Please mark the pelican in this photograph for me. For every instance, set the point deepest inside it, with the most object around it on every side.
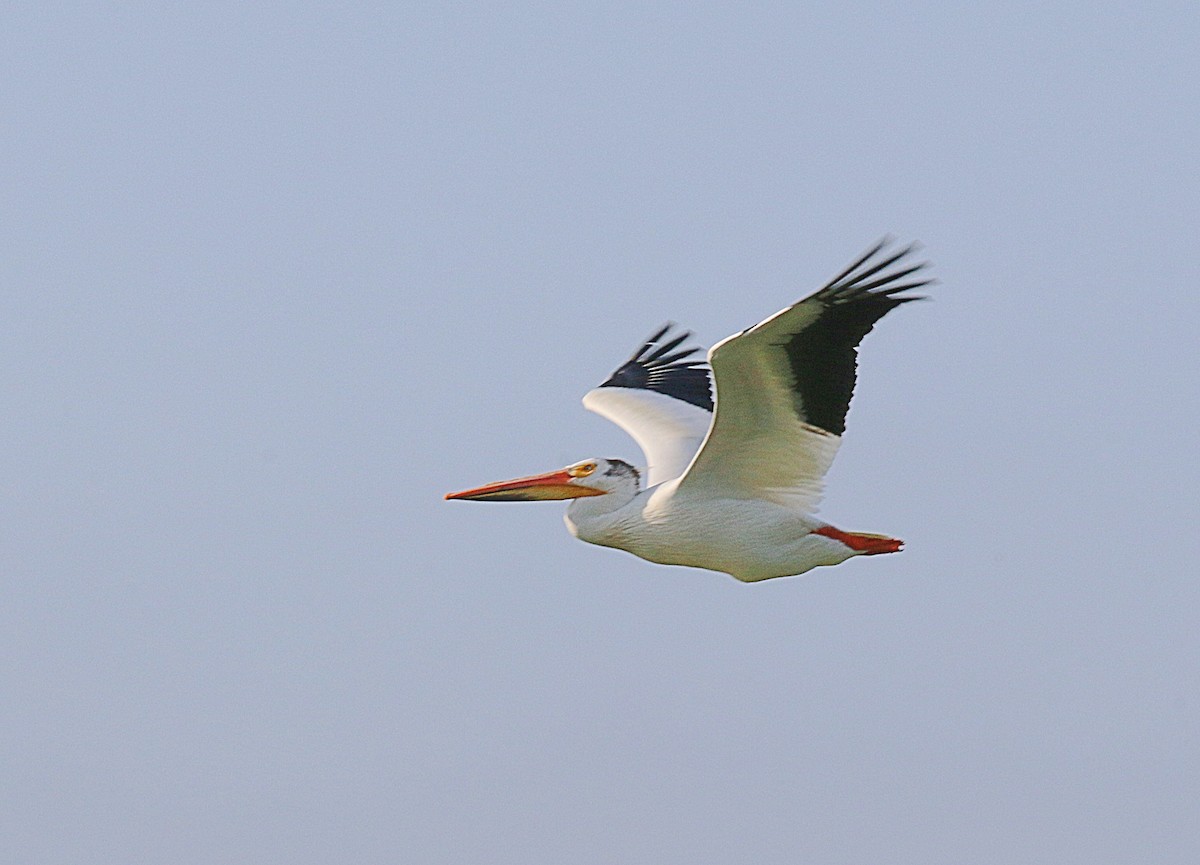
(732, 484)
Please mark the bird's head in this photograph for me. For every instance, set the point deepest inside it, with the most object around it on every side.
(591, 477)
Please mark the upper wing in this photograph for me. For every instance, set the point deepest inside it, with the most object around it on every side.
(663, 400)
(784, 386)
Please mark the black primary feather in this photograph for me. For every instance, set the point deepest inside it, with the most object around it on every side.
(658, 367)
(824, 355)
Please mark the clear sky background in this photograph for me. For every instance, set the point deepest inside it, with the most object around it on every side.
(275, 276)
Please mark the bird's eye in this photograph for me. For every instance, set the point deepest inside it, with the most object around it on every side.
(582, 471)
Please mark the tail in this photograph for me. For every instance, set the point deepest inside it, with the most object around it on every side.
(863, 543)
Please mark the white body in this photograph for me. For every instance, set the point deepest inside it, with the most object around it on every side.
(750, 540)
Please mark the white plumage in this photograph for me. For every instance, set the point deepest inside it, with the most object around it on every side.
(669, 431)
(736, 489)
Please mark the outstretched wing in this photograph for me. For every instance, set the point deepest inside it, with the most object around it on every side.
(784, 386)
(662, 397)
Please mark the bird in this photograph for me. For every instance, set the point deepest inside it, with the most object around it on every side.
(736, 446)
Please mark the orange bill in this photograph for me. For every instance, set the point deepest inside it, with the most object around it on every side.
(550, 486)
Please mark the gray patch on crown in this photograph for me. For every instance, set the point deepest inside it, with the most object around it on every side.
(620, 467)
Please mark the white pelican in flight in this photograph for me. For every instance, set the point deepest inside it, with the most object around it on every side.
(732, 485)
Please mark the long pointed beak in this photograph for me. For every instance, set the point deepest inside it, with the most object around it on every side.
(536, 488)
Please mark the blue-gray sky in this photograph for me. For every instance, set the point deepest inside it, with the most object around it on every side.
(278, 275)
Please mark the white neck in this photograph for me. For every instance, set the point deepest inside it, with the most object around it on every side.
(589, 507)
(599, 519)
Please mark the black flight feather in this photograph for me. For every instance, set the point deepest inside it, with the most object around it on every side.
(823, 356)
(656, 366)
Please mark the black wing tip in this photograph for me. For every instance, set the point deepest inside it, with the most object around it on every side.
(823, 353)
(874, 274)
(667, 368)
(655, 352)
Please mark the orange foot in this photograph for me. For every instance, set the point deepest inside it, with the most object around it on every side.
(862, 542)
